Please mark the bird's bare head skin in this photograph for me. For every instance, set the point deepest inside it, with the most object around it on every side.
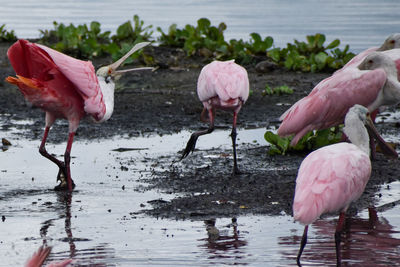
(377, 60)
(393, 41)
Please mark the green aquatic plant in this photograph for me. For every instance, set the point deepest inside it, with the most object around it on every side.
(7, 36)
(279, 90)
(127, 35)
(312, 55)
(203, 39)
(209, 41)
(311, 141)
(88, 41)
(81, 41)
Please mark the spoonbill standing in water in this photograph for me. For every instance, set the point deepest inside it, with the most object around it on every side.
(221, 85)
(372, 84)
(38, 259)
(64, 87)
(332, 177)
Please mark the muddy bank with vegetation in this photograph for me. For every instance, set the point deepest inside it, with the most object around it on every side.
(165, 101)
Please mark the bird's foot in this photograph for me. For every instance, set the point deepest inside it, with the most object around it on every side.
(63, 185)
(191, 144)
(236, 171)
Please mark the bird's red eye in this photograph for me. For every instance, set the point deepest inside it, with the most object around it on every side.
(392, 41)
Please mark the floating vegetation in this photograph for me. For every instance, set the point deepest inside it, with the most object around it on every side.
(205, 40)
(311, 141)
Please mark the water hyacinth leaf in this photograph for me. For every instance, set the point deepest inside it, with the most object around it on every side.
(333, 44)
(268, 42)
(203, 24)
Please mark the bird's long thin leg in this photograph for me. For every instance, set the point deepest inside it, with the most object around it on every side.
(191, 144)
(233, 136)
(67, 160)
(44, 153)
(338, 235)
(302, 244)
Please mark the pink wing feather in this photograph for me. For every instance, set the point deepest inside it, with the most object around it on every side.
(224, 79)
(83, 76)
(327, 105)
(329, 179)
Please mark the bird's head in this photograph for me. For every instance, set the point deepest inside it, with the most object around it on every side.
(377, 60)
(393, 41)
(108, 74)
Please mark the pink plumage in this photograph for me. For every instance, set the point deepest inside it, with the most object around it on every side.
(64, 87)
(372, 83)
(39, 257)
(329, 179)
(332, 177)
(225, 80)
(328, 103)
(83, 77)
(221, 85)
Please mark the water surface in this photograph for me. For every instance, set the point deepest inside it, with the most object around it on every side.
(360, 23)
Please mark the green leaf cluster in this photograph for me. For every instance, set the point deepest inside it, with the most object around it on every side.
(81, 41)
(204, 39)
(279, 90)
(209, 41)
(86, 42)
(7, 36)
(311, 141)
(312, 56)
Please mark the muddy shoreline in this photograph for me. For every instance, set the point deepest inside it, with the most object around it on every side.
(164, 102)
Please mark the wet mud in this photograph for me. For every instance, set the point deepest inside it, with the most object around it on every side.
(165, 102)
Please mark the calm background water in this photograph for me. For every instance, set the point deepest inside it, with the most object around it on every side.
(359, 23)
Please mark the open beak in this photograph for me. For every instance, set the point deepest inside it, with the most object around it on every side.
(114, 66)
(373, 133)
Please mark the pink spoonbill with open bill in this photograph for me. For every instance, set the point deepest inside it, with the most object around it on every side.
(64, 87)
(332, 177)
(372, 84)
(221, 85)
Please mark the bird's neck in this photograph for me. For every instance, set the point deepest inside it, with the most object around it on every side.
(356, 132)
(107, 90)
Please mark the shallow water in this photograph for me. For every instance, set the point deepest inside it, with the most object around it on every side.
(359, 23)
(100, 225)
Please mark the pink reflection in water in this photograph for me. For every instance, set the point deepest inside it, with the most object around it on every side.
(365, 242)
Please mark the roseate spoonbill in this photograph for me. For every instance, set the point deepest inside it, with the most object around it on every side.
(332, 177)
(393, 41)
(40, 257)
(221, 85)
(64, 87)
(372, 84)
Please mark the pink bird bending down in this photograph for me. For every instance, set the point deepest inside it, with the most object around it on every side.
(64, 87)
(40, 257)
(332, 177)
(393, 41)
(372, 84)
(221, 85)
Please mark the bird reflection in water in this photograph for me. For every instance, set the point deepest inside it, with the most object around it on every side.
(365, 242)
(100, 255)
(224, 243)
